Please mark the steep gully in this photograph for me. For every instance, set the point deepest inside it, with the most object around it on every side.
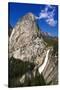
(41, 68)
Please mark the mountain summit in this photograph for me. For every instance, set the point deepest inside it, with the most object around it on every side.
(25, 41)
(30, 56)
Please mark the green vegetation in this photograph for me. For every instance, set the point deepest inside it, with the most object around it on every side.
(52, 42)
(37, 30)
(37, 27)
(17, 68)
(55, 48)
(38, 80)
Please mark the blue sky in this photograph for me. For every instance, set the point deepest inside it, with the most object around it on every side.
(46, 15)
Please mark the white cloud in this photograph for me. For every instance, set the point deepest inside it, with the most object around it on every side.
(48, 15)
(43, 14)
(51, 21)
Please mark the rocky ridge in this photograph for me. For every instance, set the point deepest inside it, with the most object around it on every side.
(27, 45)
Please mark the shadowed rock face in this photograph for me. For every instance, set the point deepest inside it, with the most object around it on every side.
(25, 44)
(9, 30)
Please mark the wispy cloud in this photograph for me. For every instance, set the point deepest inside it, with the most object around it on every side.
(48, 14)
(51, 21)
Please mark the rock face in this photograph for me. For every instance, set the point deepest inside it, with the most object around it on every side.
(25, 43)
(50, 72)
